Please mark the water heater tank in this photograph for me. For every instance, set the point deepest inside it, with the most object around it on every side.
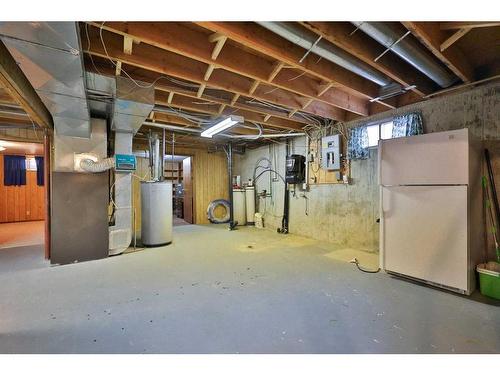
(156, 213)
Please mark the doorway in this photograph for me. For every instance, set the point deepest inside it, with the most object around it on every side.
(178, 170)
(23, 202)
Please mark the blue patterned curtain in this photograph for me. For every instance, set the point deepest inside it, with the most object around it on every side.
(39, 170)
(407, 124)
(357, 147)
(14, 169)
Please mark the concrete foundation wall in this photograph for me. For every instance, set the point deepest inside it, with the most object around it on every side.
(346, 215)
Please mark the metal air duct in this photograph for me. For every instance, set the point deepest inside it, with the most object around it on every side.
(408, 49)
(310, 41)
(50, 56)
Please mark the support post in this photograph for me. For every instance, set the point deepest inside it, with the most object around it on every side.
(163, 151)
(232, 223)
(286, 204)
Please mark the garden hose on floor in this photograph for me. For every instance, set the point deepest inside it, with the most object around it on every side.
(211, 208)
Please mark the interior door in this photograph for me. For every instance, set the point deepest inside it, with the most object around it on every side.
(187, 181)
(424, 233)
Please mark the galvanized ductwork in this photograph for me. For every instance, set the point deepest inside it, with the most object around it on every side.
(310, 41)
(409, 50)
(49, 54)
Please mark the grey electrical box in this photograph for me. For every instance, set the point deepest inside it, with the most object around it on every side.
(330, 152)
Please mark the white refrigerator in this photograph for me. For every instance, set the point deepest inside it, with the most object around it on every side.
(431, 208)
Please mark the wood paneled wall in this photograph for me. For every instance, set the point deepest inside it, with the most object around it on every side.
(21, 203)
(210, 180)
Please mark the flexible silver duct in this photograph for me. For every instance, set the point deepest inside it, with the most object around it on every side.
(409, 50)
(89, 165)
(326, 50)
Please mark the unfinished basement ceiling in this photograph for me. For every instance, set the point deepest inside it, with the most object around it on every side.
(206, 70)
(214, 69)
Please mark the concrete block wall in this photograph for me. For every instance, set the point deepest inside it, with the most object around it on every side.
(345, 215)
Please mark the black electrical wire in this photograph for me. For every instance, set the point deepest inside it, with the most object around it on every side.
(269, 170)
(356, 262)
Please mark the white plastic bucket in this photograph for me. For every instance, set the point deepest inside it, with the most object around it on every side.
(259, 221)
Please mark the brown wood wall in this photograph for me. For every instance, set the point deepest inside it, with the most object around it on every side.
(21, 203)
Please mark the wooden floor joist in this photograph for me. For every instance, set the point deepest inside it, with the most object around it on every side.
(431, 36)
(164, 62)
(162, 85)
(187, 103)
(367, 50)
(266, 42)
(178, 38)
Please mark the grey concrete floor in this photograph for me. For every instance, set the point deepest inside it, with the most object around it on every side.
(247, 291)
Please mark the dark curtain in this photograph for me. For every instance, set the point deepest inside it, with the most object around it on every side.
(14, 170)
(39, 170)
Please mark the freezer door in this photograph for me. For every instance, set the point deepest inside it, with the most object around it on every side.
(424, 233)
(428, 159)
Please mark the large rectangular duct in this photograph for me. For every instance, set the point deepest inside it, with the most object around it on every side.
(50, 56)
(133, 103)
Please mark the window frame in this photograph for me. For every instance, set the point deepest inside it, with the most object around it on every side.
(378, 123)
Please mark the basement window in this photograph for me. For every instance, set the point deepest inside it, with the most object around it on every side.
(379, 131)
(30, 163)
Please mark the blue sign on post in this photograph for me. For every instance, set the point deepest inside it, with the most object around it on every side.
(125, 163)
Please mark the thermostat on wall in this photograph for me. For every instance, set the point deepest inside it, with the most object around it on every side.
(125, 163)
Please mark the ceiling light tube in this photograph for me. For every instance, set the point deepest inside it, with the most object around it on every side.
(221, 126)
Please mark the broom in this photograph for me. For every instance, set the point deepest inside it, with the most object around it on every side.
(489, 207)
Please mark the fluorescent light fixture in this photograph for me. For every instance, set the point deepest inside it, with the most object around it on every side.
(221, 126)
(2, 148)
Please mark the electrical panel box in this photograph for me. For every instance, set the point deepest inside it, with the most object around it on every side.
(330, 152)
(295, 169)
(125, 163)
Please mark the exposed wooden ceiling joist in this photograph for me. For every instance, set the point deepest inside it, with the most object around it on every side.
(367, 50)
(185, 102)
(165, 62)
(17, 85)
(431, 35)
(177, 37)
(460, 25)
(270, 44)
(163, 85)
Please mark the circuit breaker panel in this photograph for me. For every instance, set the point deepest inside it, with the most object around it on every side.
(330, 152)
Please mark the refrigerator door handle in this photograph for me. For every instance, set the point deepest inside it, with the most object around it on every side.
(381, 230)
(379, 161)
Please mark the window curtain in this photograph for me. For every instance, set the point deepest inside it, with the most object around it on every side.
(357, 147)
(14, 170)
(39, 170)
(407, 125)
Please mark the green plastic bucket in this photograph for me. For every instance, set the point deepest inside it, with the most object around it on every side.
(489, 281)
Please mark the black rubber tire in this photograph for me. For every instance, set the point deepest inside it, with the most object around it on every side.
(211, 208)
